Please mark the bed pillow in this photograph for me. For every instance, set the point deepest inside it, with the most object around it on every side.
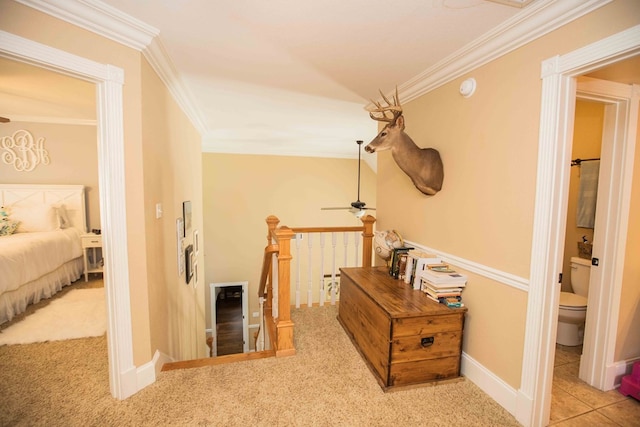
(35, 218)
(8, 227)
(63, 216)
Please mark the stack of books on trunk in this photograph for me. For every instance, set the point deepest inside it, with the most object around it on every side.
(416, 262)
(397, 266)
(443, 284)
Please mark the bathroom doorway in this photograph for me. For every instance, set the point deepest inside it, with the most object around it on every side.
(559, 81)
(609, 236)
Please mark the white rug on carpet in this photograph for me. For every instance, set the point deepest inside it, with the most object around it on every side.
(78, 314)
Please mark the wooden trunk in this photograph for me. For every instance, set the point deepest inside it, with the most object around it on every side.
(404, 337)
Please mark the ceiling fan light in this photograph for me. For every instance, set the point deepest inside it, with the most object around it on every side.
(359, 213)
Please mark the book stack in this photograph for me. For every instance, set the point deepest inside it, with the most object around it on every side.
(417, 262)
(398, 261)
(443, 284)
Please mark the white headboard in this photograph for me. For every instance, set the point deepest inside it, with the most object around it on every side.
(71, 196)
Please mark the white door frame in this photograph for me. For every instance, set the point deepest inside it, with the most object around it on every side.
(109, 81)
(245, 313)
(597, 366)
(554, 154)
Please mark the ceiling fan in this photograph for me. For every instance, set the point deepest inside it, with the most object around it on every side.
(357, 208)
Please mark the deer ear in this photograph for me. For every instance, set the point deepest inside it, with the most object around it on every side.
(400, 122)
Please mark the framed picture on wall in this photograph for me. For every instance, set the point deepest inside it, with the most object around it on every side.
(186, 213)
(188, 256)
(196, 242)
(180, 245)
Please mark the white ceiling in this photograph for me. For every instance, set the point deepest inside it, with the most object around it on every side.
(293, 77)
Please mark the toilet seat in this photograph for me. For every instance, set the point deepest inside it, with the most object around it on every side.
(571, 301)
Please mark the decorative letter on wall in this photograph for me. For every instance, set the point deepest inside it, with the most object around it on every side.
(21, 151)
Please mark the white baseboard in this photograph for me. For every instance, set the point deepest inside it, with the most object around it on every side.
(617, 370)
(147, 373)
(497, 389)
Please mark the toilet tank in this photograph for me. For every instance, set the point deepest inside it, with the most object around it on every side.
(580, 272)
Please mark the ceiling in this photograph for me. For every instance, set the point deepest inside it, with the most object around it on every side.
(287, 77)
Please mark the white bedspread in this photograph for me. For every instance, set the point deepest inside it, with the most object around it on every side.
(24, 257)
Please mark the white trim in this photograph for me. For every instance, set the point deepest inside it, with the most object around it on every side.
(614, 195)
(617, 370)
(161, 63)
(498, 390)
(556, 120)
(531, 23)
(109, 81)
(503, 277)
(99, 18)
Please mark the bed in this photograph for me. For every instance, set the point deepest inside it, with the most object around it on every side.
(40, 243)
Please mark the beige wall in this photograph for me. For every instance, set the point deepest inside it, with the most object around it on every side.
(172, 175)
(73, 154)
(484, 212)
(241, 191)
(587, 140)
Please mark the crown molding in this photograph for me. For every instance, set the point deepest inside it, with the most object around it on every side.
(109, 22)
(160, 61)
(99, 18)
(534, 21)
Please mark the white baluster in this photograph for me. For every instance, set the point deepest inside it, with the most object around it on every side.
(274, 286)
(298, 271)
(357, 262)
(334, 241)
(260, 340)
(309, 274)
(321, 302)
(345, 242)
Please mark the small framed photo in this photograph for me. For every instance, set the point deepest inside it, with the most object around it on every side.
(196, 242)
(186, 213)
(180, 245)
(188, 255)
(195, 273)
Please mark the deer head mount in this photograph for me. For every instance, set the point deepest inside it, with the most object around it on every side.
(422, 165)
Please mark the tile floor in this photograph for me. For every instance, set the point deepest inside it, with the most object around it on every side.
(574, 403)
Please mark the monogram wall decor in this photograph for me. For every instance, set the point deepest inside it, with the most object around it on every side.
(23, 152)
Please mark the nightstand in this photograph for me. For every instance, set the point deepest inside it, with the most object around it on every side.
(92, 254)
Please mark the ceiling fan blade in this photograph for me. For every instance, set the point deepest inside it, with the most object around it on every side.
(334, 209)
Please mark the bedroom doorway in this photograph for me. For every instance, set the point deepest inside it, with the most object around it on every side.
(109, 80)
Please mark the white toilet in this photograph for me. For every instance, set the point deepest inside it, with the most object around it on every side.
(573, 306)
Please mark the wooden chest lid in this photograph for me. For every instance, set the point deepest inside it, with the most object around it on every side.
(394, 296)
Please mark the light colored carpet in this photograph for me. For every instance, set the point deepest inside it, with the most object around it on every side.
(326, 383)
(79, 313)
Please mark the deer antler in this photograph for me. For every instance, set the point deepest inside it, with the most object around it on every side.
(395, 109)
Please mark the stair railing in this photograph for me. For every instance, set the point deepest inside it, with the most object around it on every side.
(275, 279)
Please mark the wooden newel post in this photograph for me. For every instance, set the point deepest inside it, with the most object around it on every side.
(367, 240)
(284, 325)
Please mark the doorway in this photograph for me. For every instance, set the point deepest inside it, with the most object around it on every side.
(558, 98)
(109, 80)
(229, 307)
